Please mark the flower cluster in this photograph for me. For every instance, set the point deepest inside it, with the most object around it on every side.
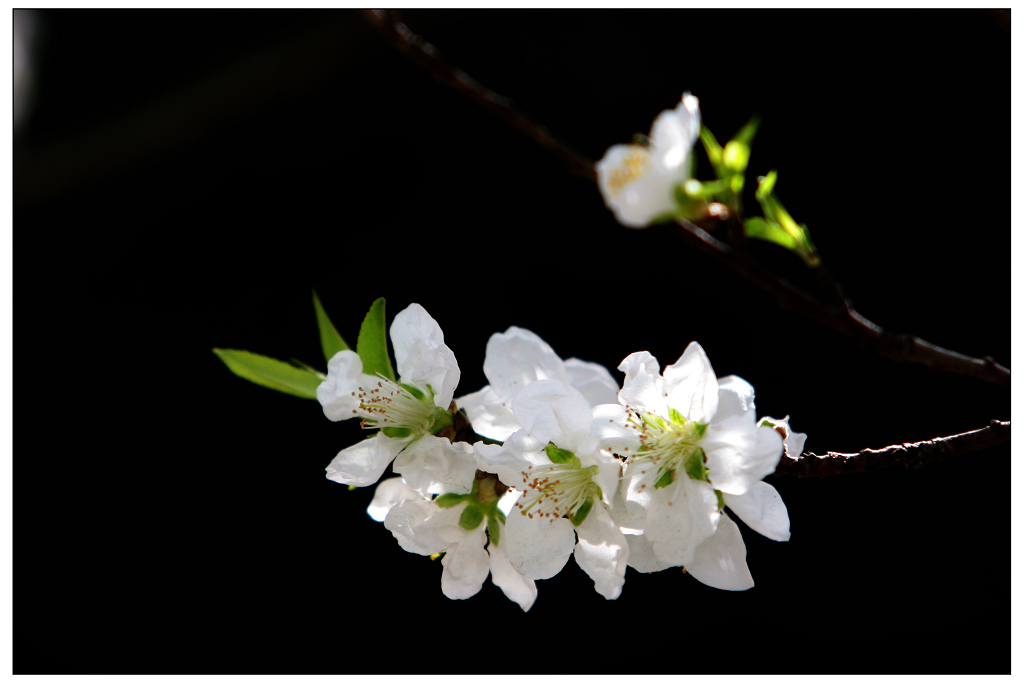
(559, 459)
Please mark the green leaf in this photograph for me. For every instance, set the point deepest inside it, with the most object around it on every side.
(558, 455)
(270, 373)
(770, 231)
(449, 500)
(665, 479)
(581, 512)
(372, 344)
(471, 517)
(694, 465)
(494, 529)
(330, 340)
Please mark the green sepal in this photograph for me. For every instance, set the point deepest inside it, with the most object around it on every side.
(694, 465)
(396, 432)
(713, 149)
(721, 500)
(581, 512)
(665, 479)
(769, 231)
(765, 422)
(500, 515)
(471, 517)
(372, 344)
(330, 341)
(676, 417)
(450, 500)
(416, 393)
(494, 530)
(653, 420)
(271, 373)
(560, 456)
(352, 487)
(440, 419)
(699, 429)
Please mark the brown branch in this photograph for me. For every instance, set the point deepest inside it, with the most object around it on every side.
(428, 57)
(837, 314)
(909, 455)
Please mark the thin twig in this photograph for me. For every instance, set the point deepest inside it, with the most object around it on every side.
(909, 455)
(838, 315)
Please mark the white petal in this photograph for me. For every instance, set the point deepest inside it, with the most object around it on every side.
(338, 394)
(673, 135)
(553, 411)
(537, 548)
(465, 567)
(506, 502)
(488, 415)
(631, 503)
(593, 381)
(735, 397)
(609, 425)
(516, 358)
(721, 561)
(363, 463)
(433, 464)
(691, 386)
(422, 356)
(609, 469)
(514, 585)
(507, 462)
(602, 552)
(739, 453)
(405, 522)
(390, 493)
(681, 515)
(642, 556)
(642, 387)
(762, 509)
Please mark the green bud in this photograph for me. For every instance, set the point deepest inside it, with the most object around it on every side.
(694, 465)
(582, 512)
(665, 479)
(494, 530)
(721, 500)
(396, 432)
(471, 517)
(449, 500)
(559, 456)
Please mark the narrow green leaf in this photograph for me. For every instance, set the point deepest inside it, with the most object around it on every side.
(306, 366)
(711, 146)
(471, 517)
(372, 344)
(770, 231)
(270, 373)
(330, 340)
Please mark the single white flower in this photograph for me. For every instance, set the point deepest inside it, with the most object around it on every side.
(516, 358)
(568, 482)
(422, 526)
(699, 445)
(408, 413)
(637, 181)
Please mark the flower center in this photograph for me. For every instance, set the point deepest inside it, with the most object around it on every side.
(632, 167)
(559, 489)
(396, 409)
(668, 446)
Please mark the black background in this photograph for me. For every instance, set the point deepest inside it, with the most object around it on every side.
(188, 177)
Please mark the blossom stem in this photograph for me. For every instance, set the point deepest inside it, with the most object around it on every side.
(909, 455)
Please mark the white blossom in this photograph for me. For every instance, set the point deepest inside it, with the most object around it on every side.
(408, 413)
(516, 358)
(421, 526)
(637, 181)
(568, 481)
(700, 447)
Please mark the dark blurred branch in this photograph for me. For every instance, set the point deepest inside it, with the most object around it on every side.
(837, 314)
(427, 56)
(909, 455)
